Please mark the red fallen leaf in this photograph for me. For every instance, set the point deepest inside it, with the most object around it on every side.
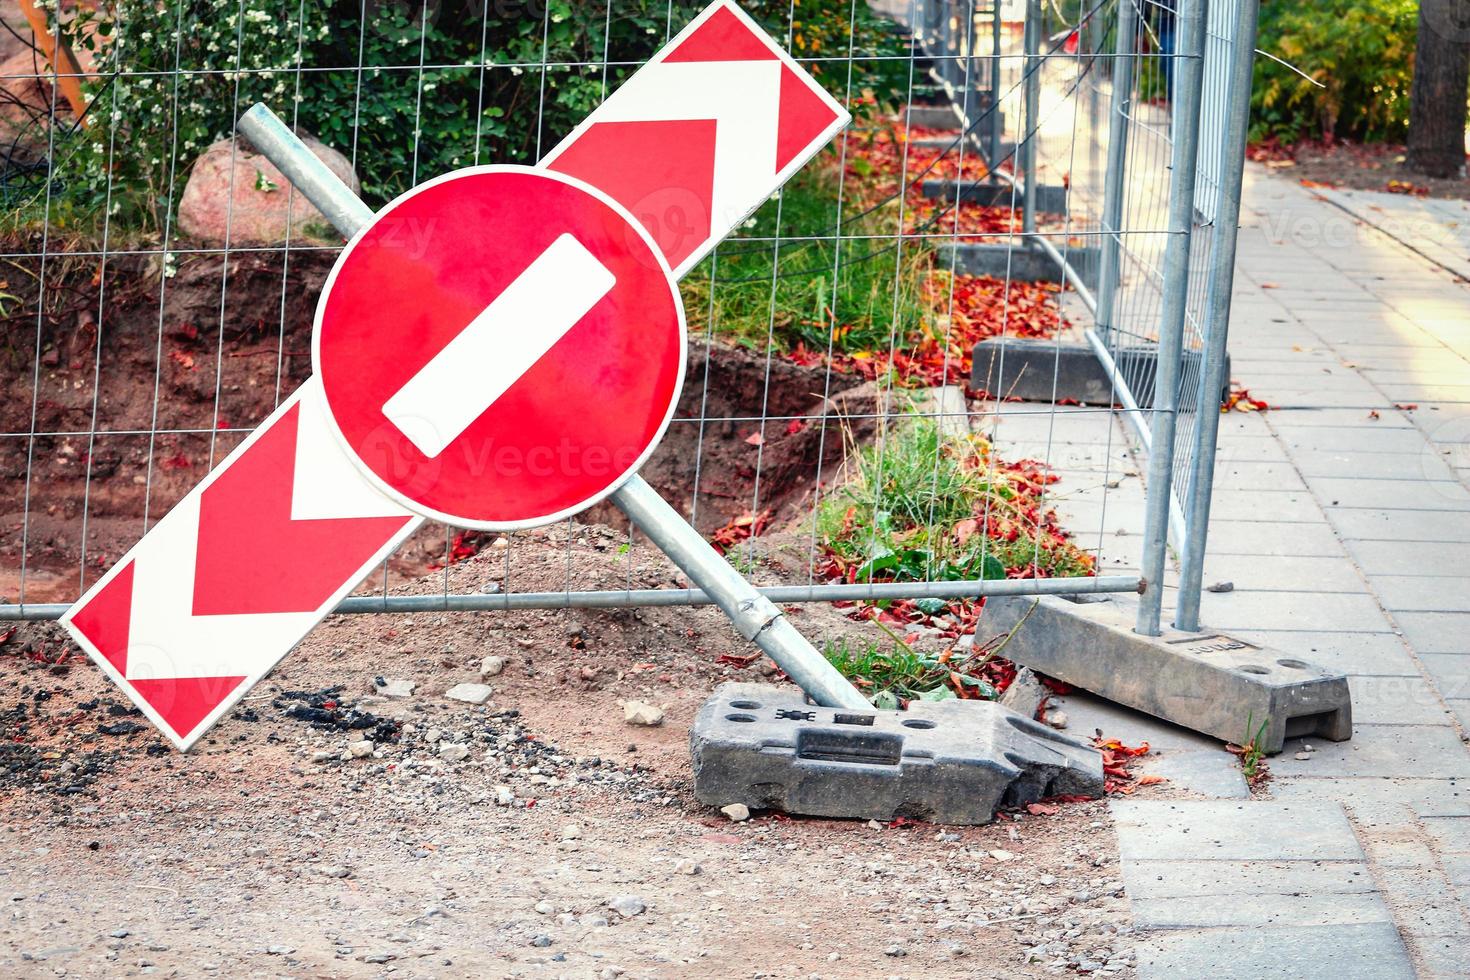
(755, 439)
(1411, 406)
(1373, 414)
(1326, 184)
(1042, 809)
(1270, 285)
(736, 661)
(794, 426)
(185, 361)
(1152, 779)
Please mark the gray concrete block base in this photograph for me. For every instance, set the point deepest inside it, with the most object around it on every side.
(1040, 370)
(1208, 682)
(1005, 261)
(952, 762)
(1050, 198)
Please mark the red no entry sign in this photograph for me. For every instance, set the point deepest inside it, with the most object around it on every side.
(502, 347)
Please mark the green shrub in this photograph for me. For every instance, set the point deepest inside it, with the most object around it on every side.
(173, 76)
(1360, 51)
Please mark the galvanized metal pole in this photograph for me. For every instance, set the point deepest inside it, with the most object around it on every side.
(754, 616)
(1031, 111)
(997, 121)
(1217, 314)
(1120, 109)
(1185, 109)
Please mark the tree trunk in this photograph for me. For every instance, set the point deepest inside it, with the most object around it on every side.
(1441, 77)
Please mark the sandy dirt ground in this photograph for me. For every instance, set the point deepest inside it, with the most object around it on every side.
(535, 835)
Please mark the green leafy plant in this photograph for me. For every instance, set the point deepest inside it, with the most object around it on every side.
(1360, 54)
(1252, 764)
(408, 89)
(917, 507)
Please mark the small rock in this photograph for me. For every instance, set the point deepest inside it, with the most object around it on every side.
(334, 871)
(396, 687)
(544, 907)
(453, 751)
(360, 750)
(571, 832)
(1025, 693)
(470, 693)
(1302, 756)
(737, 812)
(491, 666)
(639, 713)
(687, 866)
(1221, 587)
(627, 906)
(280, 950)
(542, 940)
(1056, 718)
(895, 950)
(119, 934)
(504, 796)
(1001, 855)
(595, 922)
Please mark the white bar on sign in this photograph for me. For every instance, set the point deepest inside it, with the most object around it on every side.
(519, 326)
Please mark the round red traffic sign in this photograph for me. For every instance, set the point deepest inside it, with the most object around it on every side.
(502, 347)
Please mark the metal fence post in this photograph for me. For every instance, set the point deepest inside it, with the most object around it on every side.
(1031, 114)
(996, 129)
(1185, 112)
(1114, 177)
(1217, 315)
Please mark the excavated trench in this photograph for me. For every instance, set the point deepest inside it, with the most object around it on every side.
(171, 367)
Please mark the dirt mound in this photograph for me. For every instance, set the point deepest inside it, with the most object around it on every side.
(173, 365)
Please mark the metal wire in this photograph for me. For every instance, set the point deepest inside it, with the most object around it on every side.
(1054, 95)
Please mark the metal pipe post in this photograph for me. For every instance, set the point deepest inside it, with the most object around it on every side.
(1031, 113)
(1188, 76)
(997, 123)
(1120, 108)
(1217, 314)
(755, 616)
(629, 598)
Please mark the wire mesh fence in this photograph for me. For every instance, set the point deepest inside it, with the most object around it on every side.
(161, 279)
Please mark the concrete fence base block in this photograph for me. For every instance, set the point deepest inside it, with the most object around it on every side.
(1016, 262)
(1040, 370)
(1207, 682)
(1050, 198)
(933, 116)
(952, 762)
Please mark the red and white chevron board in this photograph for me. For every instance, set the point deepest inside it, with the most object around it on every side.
(222, 588)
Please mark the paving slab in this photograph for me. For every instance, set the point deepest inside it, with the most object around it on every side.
(1402, 525)
(1216, 879)
(1281, 610)
(1354, 653)
(1403, 494)
(1290, 573)
(1410, 558)
(1381, 750)
(1423, 797)
(1273, 538)
(1218, 830)
(1423, 593)
(1437, 632)
(1259, 909)
(1333, 952)
(1398, 701)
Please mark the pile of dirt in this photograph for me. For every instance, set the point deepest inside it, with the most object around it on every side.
(174, 365)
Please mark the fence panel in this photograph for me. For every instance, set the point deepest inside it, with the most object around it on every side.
(162, 280)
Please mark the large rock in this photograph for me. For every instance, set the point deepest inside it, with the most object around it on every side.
(235, 193)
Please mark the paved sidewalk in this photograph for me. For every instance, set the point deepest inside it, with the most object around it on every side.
(1342, 516)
